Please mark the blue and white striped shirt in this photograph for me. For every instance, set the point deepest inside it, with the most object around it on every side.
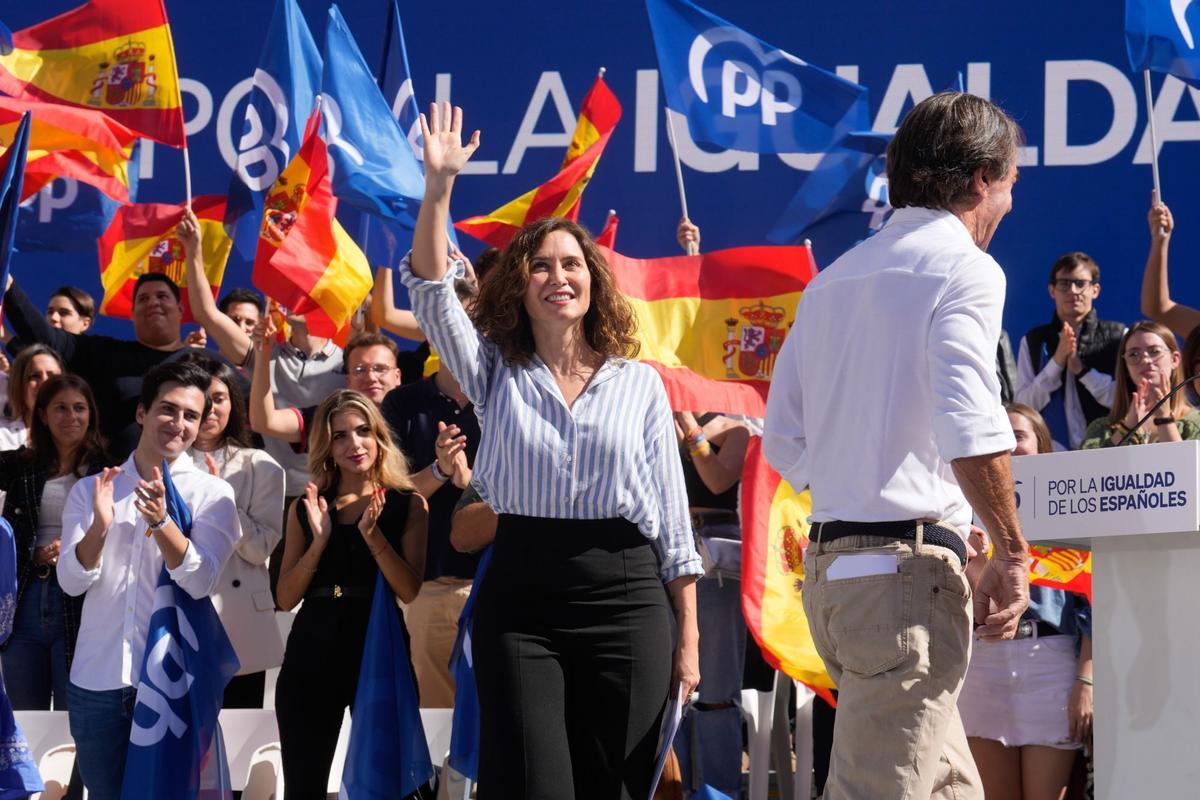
(612, 455)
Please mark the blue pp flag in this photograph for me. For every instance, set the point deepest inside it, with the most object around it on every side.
(740, 93)
(67, 215)
(372, 163)
(1162, 35)
(12, 175)
(282, 96)
(464, 730)
(851, 179)
(186, 666)
(19, 776)
(709, 793)
(385, 241)
(387, 756)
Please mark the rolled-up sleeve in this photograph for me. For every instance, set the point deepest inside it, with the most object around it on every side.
(216, 530)
(76, 519)
(442, 318)
(784, 442)
(968, 418)
(675, 545)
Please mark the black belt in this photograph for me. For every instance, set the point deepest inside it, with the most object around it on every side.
(338, 591)
(1028, 627)
(905, 531)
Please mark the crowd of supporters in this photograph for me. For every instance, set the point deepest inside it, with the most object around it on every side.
(315, 467)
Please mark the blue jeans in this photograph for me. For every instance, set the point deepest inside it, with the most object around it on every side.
(35, 661)
(709, 743)
(100, 723)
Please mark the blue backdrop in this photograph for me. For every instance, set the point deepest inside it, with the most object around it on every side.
(520, 69)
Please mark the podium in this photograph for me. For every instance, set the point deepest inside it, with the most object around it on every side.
(1138, 510)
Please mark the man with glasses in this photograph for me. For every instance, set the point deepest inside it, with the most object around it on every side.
(370, 361)
(1065, 368)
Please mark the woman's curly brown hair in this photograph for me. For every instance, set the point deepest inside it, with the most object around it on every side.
(499, 313)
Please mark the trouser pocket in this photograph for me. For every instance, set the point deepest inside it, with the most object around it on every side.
(868, 620)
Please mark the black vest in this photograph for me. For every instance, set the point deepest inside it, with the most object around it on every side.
(1097, 344)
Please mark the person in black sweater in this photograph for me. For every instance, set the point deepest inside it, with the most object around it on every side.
(113, 367)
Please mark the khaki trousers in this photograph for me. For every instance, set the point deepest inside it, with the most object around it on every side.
(432, 621)
(897, 645)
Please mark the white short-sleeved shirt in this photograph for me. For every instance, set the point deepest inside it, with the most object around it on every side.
(889, 374)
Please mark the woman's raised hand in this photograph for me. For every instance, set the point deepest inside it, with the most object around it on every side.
(319, 521)
(445, 154)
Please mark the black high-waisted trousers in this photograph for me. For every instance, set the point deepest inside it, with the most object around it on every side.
(572, 651)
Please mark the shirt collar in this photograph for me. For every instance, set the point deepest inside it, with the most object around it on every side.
(914, 216)
(184, 463)
(329, 350)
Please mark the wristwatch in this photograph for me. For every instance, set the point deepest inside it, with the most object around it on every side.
(437, 473)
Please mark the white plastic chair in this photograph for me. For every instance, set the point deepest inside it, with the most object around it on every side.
(55, 768)
(264, 780)
(766, 715)
(247, 732)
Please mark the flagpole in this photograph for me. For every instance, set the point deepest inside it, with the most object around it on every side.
(692, 248)
(187, 176)
(1153, 137)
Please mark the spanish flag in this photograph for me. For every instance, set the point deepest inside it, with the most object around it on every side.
(558, 197)
(141, 238)
(1061, 568)
(713, 324)
(115, 56)
(774, 537)
(70, 143)
(305, 259)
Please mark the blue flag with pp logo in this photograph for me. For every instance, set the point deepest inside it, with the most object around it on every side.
(12, 174)
(1164, 35)
(387, 755)
(282, 92)
(186, 666)
(849, 180)
(383, 240)
(373, 165)
(740, 93)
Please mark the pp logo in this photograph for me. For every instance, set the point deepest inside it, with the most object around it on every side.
(165, 679)
(257, 163)
(746, 77)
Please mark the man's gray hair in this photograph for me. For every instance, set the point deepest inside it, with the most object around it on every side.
(933, 157)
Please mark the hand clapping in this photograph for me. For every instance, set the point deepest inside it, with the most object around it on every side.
(151, 498)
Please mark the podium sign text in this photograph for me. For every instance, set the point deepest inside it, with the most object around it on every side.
(1113, 491)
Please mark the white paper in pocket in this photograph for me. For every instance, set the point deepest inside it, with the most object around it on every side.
(861, 566)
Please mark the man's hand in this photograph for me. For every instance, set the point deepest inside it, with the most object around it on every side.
(188, 231)
(1066, 346)
(151, 498)
(1004, 584)
(47, 555)
(197, 338)
(102, 498)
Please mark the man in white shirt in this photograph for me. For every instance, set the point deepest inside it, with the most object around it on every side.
(117, 536)
(885, 402)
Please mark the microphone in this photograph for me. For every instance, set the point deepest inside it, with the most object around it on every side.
(1157, 405)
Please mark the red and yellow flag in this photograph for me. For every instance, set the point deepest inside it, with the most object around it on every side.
(70, 142)
(774, 537)
(305, 259)
(712, 324)
(1061, 568)
(559, 196)
(115, 56)
(141, 238)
